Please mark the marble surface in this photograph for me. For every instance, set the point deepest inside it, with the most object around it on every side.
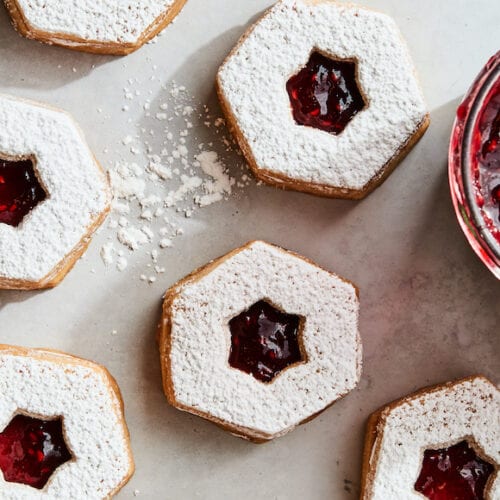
(429, 309)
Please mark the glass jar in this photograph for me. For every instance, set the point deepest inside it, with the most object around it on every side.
(474, 165)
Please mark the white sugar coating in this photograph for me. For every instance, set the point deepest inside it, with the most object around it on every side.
(121, 21)
(77, 190)
(94, 430)
(201, 376)
(278, 47)
(435, 420)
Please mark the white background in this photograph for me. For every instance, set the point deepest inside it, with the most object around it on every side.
(429, 309)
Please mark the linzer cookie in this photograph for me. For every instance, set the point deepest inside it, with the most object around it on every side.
(53, 194)
(322, 97)
(63, 434)
(439, 443)
(259, 341)
(110, 27)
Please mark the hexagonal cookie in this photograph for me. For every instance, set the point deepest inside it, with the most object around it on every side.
(440, 442)
(111, 27)
(63, 430)
(322, 97)
(259, 341)
(53, 194)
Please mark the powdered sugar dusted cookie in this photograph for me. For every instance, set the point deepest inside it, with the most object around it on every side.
(63, 433)
(53, 194)
(323, 97)
(441, 442)
(259, 341)
(107, 27)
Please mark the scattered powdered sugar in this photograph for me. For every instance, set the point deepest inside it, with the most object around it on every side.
(121, 263)
(126, 181)
(174, 164)
(107, 253)
(221, 183)
(133, 237)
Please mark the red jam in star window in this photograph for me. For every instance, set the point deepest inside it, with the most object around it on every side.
(20, 190)
(454, 473)
(31, 450)
(325, 94)
(264, 341)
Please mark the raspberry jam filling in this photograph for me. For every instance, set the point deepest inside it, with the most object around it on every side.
(485, 153)
(264, 341)
(20, 190)
(324, 94)
(31, 450)
(454, 473)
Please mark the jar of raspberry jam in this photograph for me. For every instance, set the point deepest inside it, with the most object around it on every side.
(474, 165)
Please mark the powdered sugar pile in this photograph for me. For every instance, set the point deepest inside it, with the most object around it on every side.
(166, 175)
